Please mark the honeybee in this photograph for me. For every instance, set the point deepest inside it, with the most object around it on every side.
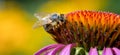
(50, 21)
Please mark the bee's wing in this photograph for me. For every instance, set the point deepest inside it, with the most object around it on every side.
(41, 15)
(41, 20)
(37, 24)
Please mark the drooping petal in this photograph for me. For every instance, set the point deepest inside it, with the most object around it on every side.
(66, 50)
(47, 48)
(54, 51)
(116, 50)
(46, 53)
(107, 51)
(93, 51)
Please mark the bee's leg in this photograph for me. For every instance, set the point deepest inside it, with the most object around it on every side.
(49, 28)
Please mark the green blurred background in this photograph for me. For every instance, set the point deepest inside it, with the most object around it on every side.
(16, 20)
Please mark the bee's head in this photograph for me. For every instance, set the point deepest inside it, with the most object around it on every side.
(57, 20)
(50, 21)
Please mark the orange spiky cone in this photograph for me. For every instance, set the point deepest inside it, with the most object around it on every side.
(89, 28)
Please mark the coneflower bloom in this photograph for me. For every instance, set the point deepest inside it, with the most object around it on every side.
(82, 33)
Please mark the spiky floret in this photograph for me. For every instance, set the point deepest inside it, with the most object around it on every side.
(89, 29)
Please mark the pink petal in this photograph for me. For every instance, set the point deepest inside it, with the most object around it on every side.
(116, 50)
(46, 53)
(107, 51)
(47, 48)
(93, 51)
(54, 51)
(66, 50)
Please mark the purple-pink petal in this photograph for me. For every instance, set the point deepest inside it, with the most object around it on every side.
(47, 48)
(66, 50)
(107, 51)
(93, 51)
(46, 53)
(54, 51)
(116, 51)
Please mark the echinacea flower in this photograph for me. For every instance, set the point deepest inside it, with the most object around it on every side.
(82, 33)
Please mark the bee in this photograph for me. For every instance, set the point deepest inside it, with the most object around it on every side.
(50, 21)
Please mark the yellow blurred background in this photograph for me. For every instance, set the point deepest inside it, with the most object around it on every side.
(17, 18)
